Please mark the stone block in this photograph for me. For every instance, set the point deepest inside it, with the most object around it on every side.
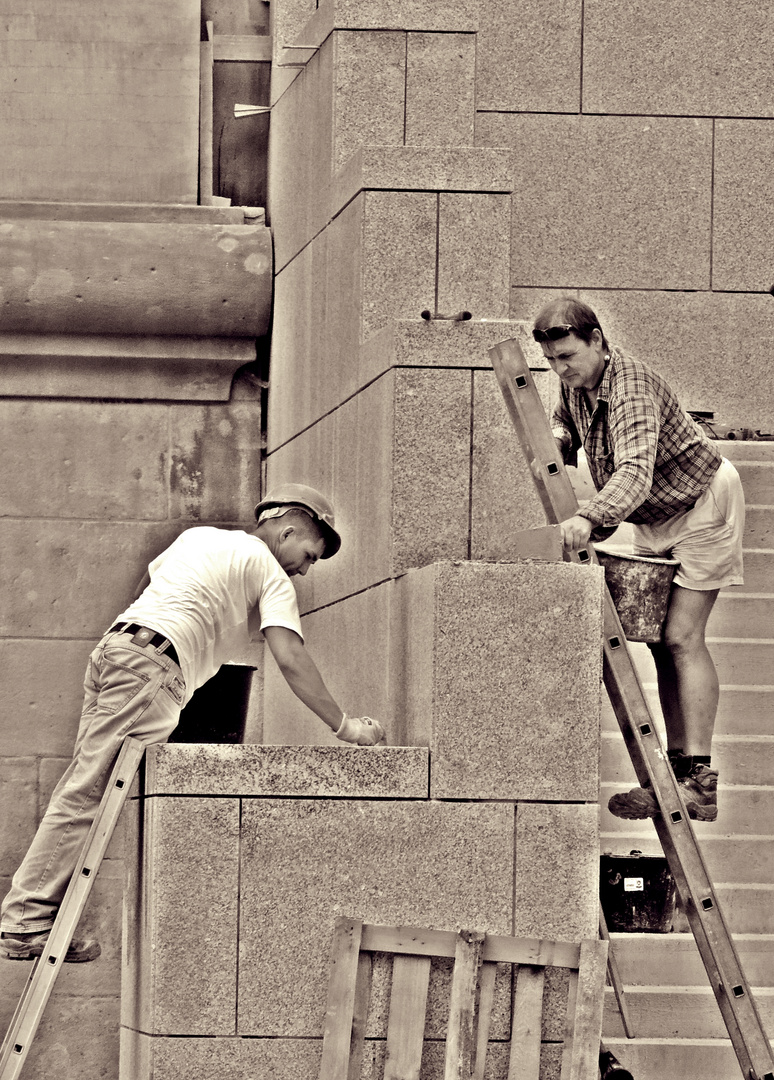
(370, 78)
(528, 62)
(504, 497)
(395, 460)
(474, 254)
(215, 462)
(143, 1057)
(440, 105)
(557, 871)
(444, 865)
(742, 232)
(182, 917)
(339, 771)
(515, 709)
(41, 686)
(53, 590)
(18, 810)
(640, 216)
(688, 338)
(697, 59)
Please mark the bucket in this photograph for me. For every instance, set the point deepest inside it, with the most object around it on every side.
(637, 893)
(217, 711)
(640, 590)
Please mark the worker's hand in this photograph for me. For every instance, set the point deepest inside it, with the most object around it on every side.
(575, 532)
(363, 731)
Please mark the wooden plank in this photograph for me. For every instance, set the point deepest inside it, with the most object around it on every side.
(419, 941)
(588, 1007)
(486, 985)
(459, 1036)
(568, 1050)
(360, 1014)
(205, 119)
(524, 1062)
(250, 48)
(406, 1023)
(340, 1013)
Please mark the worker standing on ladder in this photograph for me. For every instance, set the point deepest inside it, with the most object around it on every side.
(192, 617)
(652, 466)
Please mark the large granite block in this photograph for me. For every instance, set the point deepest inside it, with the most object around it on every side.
(370, 78)
(688, 338)
(340, 771)
(527, 60)
(701, 58)
(474, 254)
(18, 809)
(182, 921)
(143, 1056)
(742, 232)
(556, 893)
(515, 707)
(52, 590)
(444, 865)
(41, 686)
(395, 460)
(622, 211)
(215, 462)
(440, 105)
(70, 460)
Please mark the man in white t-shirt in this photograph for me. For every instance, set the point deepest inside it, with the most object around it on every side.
(206, 593)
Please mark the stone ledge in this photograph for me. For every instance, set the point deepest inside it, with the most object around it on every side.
(384, 772)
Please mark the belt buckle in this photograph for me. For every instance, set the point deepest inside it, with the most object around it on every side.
(143, 636)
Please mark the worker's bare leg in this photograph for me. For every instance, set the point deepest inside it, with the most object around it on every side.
(687, 679)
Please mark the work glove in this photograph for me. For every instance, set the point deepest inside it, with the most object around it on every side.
(362, 731)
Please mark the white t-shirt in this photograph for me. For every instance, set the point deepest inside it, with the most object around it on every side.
(204, 589)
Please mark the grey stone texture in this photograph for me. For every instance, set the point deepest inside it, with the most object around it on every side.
(642, 216)
(696, 59)
(742, 234)
(440, 97)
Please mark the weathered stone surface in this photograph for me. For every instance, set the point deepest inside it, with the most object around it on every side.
(50, 450)
(201, 1059)
(440, 70)
(18, 810)
(430, 864)
(180, 971)
(557, 858)
(45, 559)
(474, 254)
(369, 107)
(688, 338)
(515, 705)
(321, 771)
(697, 59)
(742, 230)
(639, 220)
(528, 62)
(41, 686)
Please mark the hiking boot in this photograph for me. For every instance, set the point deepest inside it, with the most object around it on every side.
(30, 946)
(700, 792)
(635, 805)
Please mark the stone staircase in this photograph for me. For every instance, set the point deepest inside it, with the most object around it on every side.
(678, 1027)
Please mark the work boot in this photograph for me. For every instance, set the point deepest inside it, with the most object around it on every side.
(635, 805)
(29, 946)
(610, 1068)
(700, 792)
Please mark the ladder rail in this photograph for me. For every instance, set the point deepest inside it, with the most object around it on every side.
(673, 826)
(40, 984)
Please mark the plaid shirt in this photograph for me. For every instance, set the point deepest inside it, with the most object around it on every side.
(648, 459)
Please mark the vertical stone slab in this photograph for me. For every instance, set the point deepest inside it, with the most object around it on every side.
(370, 74)
(474, 254)
(440, 100)
(516, 681)
(742, 233)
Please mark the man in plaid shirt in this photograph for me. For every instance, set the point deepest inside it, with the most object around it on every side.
(652, 466)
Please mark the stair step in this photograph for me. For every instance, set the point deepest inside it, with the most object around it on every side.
(739, 614)
(758, 570)
(742, 710)
(757, 480)
(739, 661)
(677, 1012)
(670, 1059)
(759, 526)
(739, 759)
(748, 860)
(747, 811)
(674, 959)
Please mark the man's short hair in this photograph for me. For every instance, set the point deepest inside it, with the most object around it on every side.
(568, 311)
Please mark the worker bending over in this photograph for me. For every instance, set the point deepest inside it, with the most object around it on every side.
(192, 618)
(652, 466)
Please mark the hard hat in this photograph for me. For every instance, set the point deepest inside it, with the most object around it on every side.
(309, 499)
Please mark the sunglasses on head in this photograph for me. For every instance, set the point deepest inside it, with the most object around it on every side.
(553, 333)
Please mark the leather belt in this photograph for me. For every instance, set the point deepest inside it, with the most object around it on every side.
(148, 637)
